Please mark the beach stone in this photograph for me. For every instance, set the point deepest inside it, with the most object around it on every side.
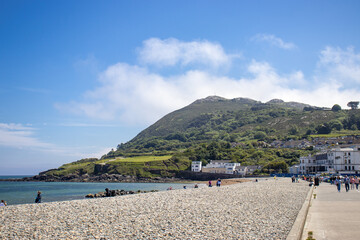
(262, 210)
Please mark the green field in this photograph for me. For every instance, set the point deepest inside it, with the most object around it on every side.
(141, 166)
(139, 159)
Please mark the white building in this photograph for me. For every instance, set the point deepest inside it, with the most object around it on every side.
(336, 160)
(295, 169)
(196, 166)
(220, 166)
(241, 170)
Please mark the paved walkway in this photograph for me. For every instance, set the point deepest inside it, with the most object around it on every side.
(333, 215)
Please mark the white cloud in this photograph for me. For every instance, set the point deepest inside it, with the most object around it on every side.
(135, 95)
(275, 41)
(340, 65)
(170, 52)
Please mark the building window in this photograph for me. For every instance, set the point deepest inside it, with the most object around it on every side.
(353, 168)
(349, 154)
(349, 161)
(345, 167)
(309, 161)
(345, 161)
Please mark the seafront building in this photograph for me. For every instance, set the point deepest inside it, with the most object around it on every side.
(196, 166)
(215, 166)
(334, 161)
(224, 166)
(220, 166)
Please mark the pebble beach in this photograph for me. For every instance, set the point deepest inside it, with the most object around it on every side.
(252, 210)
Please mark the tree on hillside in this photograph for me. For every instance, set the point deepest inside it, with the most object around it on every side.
(323, 129)
(336, 124)
(353, 105)
(260, 135)
(277, 166)
(336, 108)
(293, 130)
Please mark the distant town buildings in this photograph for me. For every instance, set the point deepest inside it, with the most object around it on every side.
(335, 160)
(223, 166)
(319, 143)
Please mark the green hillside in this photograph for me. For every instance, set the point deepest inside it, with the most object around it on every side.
(142, 166)
(235, 120)
(238, 129)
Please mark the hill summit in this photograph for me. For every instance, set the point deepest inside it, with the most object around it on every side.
(215, 118)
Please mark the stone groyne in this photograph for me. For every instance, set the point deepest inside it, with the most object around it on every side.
(253, 210)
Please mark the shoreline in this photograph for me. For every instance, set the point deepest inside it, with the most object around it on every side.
(252, 210)
(226, 181)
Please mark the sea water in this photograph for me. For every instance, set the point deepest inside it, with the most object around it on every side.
(25, 192)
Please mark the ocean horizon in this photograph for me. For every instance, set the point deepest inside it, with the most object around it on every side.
(25, 192)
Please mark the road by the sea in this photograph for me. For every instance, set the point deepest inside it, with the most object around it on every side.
(25, 192)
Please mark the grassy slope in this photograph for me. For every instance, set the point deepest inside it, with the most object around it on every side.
(139, 166)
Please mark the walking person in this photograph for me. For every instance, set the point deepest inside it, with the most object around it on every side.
(210, 184)
(352, 183)
(38, 197)
(356, 181)
(347, 183)
(338, 183)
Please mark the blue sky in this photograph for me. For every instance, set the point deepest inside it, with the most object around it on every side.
(79, 77)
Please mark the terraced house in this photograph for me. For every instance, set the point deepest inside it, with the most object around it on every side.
(345, 160)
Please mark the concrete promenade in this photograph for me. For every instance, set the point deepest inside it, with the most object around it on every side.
(333, 215)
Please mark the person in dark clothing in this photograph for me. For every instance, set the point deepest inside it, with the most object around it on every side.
(218, 183)
(38, 197)
(347, 183)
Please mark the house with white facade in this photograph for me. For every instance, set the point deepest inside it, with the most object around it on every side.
(196, 166)
(220, 166)
(241, 170)
(335, 160)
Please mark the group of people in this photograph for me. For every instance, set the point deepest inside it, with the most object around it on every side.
(349, 182)
(294, 179)
(218, 183)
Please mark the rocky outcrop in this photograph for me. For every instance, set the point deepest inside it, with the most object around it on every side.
(113, 193)
(105, 177)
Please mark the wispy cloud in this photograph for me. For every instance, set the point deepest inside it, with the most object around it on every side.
(76, 124)
(88, 64)
(136, 95)
(275, 41)
(20, 136)
(171, 51)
